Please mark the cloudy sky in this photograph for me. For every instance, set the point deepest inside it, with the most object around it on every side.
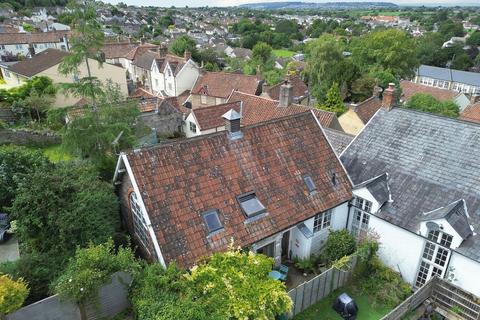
(223, 3)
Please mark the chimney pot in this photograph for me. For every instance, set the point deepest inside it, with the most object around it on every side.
(286, 94)
(187, 55)
(388, 100)
(162, 50)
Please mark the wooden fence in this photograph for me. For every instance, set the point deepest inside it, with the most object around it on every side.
(445, 295)
(308, 293)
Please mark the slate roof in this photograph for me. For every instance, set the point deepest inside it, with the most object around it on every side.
(456, 216)
(221, 84)
(35, 37)
(211, 117)
(378, 187)
(181, 180)
(446, 74)
(338, 139)
(257, 109)
(431, 161)
(39, 62)
(471, 113)
(411, 88)
(300, 89)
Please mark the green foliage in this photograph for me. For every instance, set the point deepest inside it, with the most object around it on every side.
(56, 118)
(289, 28)
(262, 52)
(450, 28)
(273, 76)
(334, 101)
(340, 243)
(462, 62)
(306, 265)
(41, 85)
(427, 103)
(62, 207)
(391, 50)
(91, 268)
(12, 294)
(28, 27)
(362, 88)
(183, 43)
(429, 50)
(15, 163)
(230, 285)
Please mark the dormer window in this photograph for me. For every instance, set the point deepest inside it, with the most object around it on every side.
(310, 184)
(212, 221)
(250, 205)
(440, 237)
(363, 204)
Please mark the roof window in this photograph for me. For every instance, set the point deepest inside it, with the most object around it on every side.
(250, 204)
(212, 221)
(310, 184)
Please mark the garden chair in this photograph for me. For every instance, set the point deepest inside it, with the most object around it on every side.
(284, 271)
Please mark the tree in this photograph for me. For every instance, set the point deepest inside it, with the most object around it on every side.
(427, 103)
(12, 294)
(450, 28)
(340, 243)
(325, 65)
(183, 43)
(474, 39)
(62, 207)
(334, 101)
(92, 267)
(391, 50)
(230, 285)
(462, 62)
(262, 52)
(15, 163)
(362, 88)
(429, 50)
(38, 103)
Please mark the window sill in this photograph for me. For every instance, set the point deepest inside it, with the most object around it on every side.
(211, 234)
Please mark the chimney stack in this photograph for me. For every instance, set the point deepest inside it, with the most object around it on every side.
(474, 98)
(286, 94)
(142, 40)
(232, 124)
(187, 55)
(162, 50)
(388, 101)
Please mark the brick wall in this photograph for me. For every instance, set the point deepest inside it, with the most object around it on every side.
(23, 137)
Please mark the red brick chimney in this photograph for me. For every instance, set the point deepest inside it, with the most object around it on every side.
(388, 101)
(187, 55)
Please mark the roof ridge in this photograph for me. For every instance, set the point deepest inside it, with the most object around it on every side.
(215, 105)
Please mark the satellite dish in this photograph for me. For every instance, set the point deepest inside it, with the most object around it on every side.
(432, 226)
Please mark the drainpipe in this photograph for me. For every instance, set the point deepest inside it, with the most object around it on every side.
(348, 214)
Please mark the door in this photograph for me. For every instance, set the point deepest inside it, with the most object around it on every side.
(268, 250)
(285, 246)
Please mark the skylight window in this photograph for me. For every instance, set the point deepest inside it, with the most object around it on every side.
(212, 221)
(310, 185)
(250, 204)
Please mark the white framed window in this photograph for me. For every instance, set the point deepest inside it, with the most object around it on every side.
(193, 127)
(139, 224)
(361, 220)
(218, 101)
(19, 46)
(363, 204)
(156, 83)
(203, 99)
(322, 221)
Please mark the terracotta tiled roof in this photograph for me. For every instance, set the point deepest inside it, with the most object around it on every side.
(135, 52)
(179, 102)
(179, 181)
(366, 109)
(39, 62)
(141, 93)
(258, 109)
(211, 117)
(221, 84)
(300, 89)
(118, 50)
(471, 113)
(411, 88)
(149, 104)
(36, 37)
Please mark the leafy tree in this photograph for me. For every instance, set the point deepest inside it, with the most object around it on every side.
(334, 101)
(262, 52)
(462, 62)
(362, 88)
(340, 243)
(28, 27)
(289, 28)
(15, 163)
(62, 207)
(183, 43)
(229, 285)
(38, 103)
(12, 294)
(391, 50)
(474, 39)
(92, 267)
(429, 50)
(324, 62)
(450, 28)
(427, 103)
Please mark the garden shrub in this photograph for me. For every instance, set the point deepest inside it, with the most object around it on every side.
(340, 243)
(12, 294)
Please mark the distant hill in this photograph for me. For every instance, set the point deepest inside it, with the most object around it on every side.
(315, 5)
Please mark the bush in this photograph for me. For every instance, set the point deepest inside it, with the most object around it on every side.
(306, 265)
(427, 103)
(12, 294)
(91, 268)
(56, 118)
(340, 243)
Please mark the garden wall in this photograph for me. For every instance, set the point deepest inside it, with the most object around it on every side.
(24, 137)
(319, 287)
(112, 299)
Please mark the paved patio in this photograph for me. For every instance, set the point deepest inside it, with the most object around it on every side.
(296, 277)
(9, 250)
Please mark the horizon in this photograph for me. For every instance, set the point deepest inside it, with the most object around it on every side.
(234, 3)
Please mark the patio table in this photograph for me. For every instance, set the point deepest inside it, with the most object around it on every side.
(274, 274)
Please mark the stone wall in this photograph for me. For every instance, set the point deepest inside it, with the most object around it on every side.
(24, 137)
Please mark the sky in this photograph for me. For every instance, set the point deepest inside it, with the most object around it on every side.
(226, 3)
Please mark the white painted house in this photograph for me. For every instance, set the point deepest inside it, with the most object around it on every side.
(189, 198)
(28, 44)
(417, 187)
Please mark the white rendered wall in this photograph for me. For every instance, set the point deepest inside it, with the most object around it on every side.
(466, 273)
(186, 78)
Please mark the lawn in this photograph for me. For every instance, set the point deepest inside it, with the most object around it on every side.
(322, 310)
(282, 53)
(54, 153)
